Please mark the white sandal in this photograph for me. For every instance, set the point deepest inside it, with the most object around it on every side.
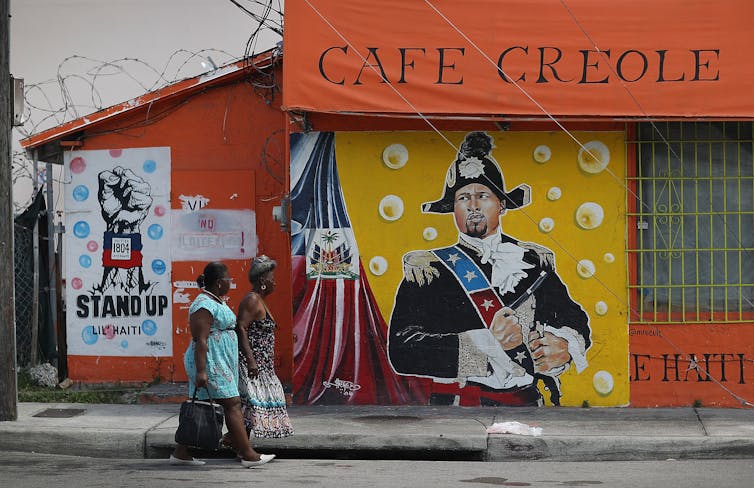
(263, 459)
(185, 462)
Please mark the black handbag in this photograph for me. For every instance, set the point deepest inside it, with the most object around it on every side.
(200, 424)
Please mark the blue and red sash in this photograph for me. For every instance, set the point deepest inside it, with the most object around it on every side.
(473, 280)
(481, 294)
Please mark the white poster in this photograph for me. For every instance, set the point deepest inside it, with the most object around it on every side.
(117, 252)
(210, 234)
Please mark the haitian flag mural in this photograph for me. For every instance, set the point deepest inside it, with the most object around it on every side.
(340, 335)
(117, 265)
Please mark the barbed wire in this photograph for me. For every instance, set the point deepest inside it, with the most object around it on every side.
(83, 85)
(271, 16)
(80, 85)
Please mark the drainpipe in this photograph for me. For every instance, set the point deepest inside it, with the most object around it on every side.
(51, 263)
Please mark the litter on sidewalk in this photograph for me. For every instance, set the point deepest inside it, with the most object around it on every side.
(514, 427)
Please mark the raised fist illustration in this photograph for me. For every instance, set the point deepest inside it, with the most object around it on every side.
(124, 198)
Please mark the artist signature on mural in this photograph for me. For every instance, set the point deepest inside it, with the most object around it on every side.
(159, 345)
(344, 387)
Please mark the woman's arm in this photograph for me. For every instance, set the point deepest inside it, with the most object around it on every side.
(249, 310)
(200, 323)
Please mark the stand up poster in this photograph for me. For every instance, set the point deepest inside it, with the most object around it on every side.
(117, 263)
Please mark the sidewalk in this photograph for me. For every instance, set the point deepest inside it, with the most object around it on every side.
(406, 432)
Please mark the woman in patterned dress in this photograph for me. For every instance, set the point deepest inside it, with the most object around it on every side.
(262, 396)
(211, 362)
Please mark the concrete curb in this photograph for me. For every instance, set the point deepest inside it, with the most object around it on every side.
(383, 432)
(616, 448)
(330, 434)
(89, 442)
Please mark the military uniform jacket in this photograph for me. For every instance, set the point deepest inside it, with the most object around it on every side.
(429, 317)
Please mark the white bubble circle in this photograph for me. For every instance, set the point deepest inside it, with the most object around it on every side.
(391, 207)
(594, 157)
(609, 258)
(589, 215)
(542, 154)
(395, 156)
(554, 193)
(429, 234)
(600, 308)
(378, 265)
(585, 268)
(546, 225)
(603, 382)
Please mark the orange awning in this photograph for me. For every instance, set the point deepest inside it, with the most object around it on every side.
(617, 58)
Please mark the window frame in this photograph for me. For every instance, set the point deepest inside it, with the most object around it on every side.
(742, 312)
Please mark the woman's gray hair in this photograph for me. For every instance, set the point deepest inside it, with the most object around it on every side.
(259, 266)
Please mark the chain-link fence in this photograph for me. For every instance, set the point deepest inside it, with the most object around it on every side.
(24, 275)
(28, 351)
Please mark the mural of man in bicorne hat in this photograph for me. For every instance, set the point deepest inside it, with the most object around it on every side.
(488, 318)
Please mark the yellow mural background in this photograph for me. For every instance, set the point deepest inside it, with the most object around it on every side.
(366, 180)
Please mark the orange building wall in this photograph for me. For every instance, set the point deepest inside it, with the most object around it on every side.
(224, 128)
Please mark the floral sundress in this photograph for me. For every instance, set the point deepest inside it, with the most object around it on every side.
(262, 398)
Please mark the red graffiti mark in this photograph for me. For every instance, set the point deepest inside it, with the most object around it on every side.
(207, 223)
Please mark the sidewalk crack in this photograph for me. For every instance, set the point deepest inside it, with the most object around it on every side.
(145, 448)
(701, 422)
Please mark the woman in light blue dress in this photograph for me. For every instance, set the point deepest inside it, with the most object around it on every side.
(211, 362)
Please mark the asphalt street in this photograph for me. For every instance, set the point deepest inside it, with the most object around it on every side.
(28, 470)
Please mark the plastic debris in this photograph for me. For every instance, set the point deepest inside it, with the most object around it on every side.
(44, 375)
(514, 428)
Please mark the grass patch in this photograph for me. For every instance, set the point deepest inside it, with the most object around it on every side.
(29, 392)
(49, 395)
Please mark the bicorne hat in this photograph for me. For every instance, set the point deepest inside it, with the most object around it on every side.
(474, 164)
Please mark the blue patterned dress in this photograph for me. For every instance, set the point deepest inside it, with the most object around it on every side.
(222, 351)
(262, 398)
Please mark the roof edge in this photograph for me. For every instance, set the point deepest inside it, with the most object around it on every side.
(178, 88)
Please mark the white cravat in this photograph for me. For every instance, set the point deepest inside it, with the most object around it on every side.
(506, 258)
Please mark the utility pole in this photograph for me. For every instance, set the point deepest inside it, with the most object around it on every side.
(8, 381)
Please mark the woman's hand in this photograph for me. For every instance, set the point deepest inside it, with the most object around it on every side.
(253, 368)
(201, 380)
